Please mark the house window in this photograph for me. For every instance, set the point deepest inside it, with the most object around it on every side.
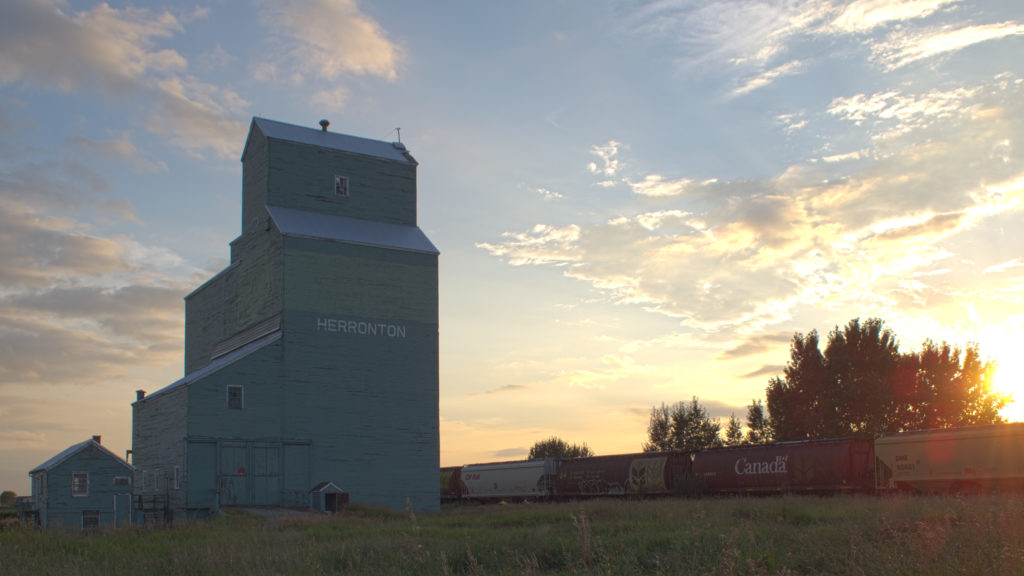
(341, 185)
(90, 519)
(121, 481)
(235, 397)
(79, 483)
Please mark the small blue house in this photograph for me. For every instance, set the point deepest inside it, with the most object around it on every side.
(84, 487)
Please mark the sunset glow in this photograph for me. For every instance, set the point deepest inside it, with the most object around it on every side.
(635, 202)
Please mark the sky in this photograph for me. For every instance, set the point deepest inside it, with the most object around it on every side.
(636, 202)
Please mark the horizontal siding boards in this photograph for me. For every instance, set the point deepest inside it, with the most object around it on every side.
(159, 428)
(64, 510)
(361, 333)
(255, 168)
(302, 177)
(240, 297)
(263, 385)
(349, 393)
(334, 278)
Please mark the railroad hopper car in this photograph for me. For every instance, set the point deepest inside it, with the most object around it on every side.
(967, 459)
(452, 486)
(841, 465)
(525, 480)
(644, 474)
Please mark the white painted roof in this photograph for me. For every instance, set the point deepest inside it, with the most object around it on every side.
(275, 130)
(342, 228)
(74, 449)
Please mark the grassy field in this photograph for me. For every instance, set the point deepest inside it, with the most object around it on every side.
(779, 535)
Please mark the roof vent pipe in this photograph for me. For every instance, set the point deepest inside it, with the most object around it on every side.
(324, 124)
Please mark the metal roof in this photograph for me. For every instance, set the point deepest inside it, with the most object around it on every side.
(74, 449)
(219, 363)
(275, 130)
(342, 228)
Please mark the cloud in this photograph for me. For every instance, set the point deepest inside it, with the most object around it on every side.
(330, 39)
(757, 344)
(541, 245)
(101, 49)
(1004, 266)
(865, 15)
(768, 76)
(608, 155)
(114, 52)
(548, 194)
(197, 116)
(759, 42)
(656, 185)
(883, 232)
(120, 149)
(767, 370)
(507, 388)
(74, 307)
(906, 47)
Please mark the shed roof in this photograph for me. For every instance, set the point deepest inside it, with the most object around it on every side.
(326, 488)
(293, 222)
(75, 449)
(275, 130)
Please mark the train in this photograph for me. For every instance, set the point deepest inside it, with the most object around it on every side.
(963, 459)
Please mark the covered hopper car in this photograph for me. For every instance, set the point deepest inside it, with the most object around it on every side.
(644, 474)
(965, 459)
(840, 465)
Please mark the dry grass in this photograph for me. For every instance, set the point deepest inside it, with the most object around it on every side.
(781, 535)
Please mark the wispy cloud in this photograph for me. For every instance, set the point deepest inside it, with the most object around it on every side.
(823, 234)
(324, 44)
(759, 41)
(608, 154)
(768, 76)
(906, 47)
(115, 53)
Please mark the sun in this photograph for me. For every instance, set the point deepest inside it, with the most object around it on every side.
(1009, 379)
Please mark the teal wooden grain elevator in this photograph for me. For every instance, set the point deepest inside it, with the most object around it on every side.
(312, 359)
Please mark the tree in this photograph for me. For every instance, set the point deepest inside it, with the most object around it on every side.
(797, 402)
(7, 498)
(863, 386)
(758, 427)
(683, 426)
(555, 447)
(733, 431)
(942, 390)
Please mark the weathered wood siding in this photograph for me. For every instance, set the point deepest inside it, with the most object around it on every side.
(255, 168)
(242, 295)
(159, 428)
(64, 510)
(302, 177)
(361, 333)
(349, 391)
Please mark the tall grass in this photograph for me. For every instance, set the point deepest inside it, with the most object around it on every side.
(780, 535)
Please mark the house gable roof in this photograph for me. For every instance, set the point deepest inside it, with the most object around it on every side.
(74, 449)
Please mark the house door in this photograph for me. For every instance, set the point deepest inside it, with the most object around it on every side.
(122, 509)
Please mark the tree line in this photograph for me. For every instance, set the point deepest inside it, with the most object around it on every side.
(859, 385)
